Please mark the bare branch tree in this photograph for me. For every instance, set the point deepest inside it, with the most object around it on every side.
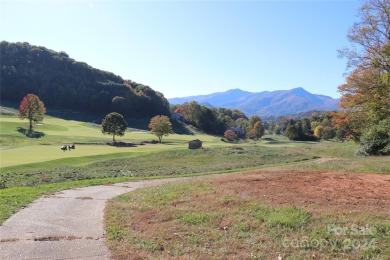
(370, 36)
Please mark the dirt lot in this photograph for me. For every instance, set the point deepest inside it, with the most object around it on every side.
(317, 190)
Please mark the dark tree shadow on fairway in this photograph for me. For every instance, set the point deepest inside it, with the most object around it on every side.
(30, 133)
(121, 144)
(180, 128)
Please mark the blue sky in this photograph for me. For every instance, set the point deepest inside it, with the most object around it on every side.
(183, 48)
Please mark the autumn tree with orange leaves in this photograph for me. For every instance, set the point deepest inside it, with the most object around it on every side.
(230, 134)
(366, 93)
(32, 108)
(257, 130)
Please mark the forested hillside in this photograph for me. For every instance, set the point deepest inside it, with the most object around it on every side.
(63, 83)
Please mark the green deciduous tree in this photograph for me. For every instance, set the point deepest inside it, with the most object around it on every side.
(210, 120)
(277, 130)
(32, 108)
(271, 127)
(291, 132)
(114, 124)
(160, 126)
(376, 140)
(306, 126)
(314, 124)
(341, 134)
(328, 133)
(284, 122)
(253, 120)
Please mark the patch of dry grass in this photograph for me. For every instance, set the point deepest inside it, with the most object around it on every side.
(236, 217)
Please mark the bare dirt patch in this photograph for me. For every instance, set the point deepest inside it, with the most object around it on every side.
(320, 190)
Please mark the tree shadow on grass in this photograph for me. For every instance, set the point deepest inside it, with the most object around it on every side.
(121, 144)
(180, 128)
(30, 133)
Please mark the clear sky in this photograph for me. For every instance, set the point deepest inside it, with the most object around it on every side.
(183, 48)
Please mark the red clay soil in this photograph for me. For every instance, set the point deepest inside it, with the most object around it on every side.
(318, 190)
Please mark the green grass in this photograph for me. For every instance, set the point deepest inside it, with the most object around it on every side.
(145, 164)
(285, 217)
(379, 165)
(17, 149)
(46, 155)
(66, 162)
(196, 218)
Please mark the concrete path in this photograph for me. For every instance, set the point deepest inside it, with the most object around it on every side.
(66, 225)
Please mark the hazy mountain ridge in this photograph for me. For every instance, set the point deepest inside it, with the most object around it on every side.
(266, 103)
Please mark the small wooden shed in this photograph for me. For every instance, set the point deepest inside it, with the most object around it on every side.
(195, 144)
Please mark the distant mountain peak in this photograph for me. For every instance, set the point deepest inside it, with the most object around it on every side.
(299, 90)
(235, 90)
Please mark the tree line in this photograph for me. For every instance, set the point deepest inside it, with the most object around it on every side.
(209, 120)
(318, 126)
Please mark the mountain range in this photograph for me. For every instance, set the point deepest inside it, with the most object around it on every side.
(266, 103)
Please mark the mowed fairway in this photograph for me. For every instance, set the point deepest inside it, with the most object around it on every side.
(41, 153)
(17, 149)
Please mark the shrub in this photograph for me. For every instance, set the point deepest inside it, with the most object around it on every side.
(376, 141)
(230, 135)
(328, 133)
